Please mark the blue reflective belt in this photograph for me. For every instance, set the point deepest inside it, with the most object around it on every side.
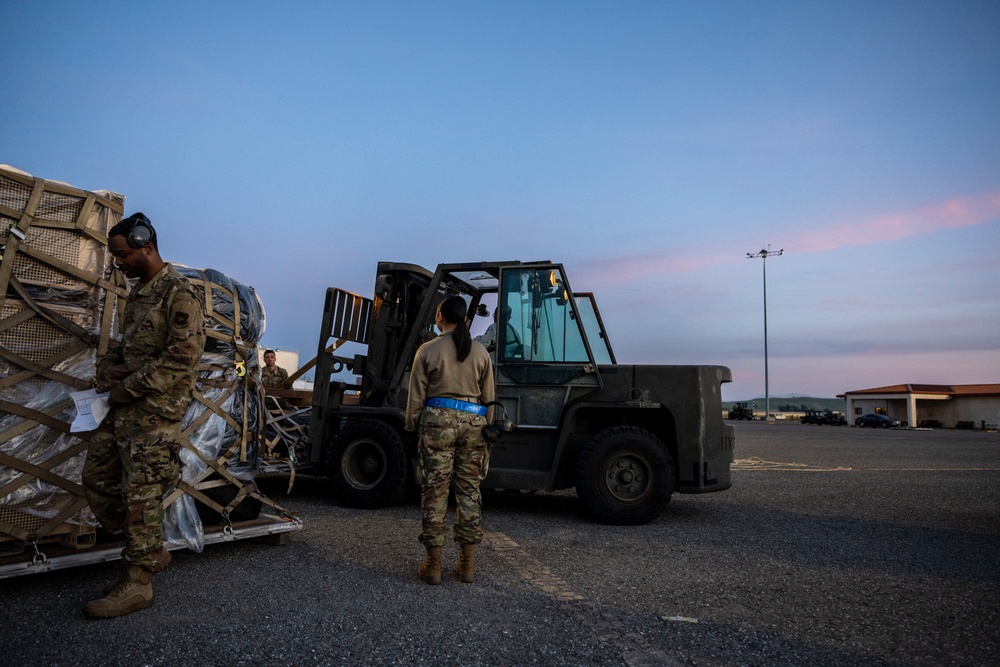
(455, 404)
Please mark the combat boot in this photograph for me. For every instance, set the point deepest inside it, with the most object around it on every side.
(132, 594)
(430, 569)
(159, 561)
(122, 578)
(162, 559)
(466, 570)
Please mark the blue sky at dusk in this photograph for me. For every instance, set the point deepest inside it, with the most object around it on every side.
(647, 146)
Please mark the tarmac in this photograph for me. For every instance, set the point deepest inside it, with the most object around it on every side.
(835, 546)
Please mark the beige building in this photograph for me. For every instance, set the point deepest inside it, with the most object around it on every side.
(933, 405)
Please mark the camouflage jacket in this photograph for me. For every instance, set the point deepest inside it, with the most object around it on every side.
(272, 379)
(163, 338)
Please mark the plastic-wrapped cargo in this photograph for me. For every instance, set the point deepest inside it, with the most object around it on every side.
(224, 423)
(53, 285)
(61, 299)
(230, 362)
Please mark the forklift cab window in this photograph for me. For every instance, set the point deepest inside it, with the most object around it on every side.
(543, 325)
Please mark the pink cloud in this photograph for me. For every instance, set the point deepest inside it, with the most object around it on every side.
(949, 214)
(629, 269)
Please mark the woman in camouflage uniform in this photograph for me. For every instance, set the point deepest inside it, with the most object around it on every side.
(451, 383)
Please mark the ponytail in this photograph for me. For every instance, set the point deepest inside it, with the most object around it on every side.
(454, 310)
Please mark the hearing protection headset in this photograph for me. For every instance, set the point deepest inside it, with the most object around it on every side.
(493, 432)
(142, 233)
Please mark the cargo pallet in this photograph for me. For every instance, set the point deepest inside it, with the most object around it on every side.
(54, 556)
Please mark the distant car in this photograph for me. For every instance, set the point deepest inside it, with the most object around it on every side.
(876, 421)
(815, 417)
(823, 418)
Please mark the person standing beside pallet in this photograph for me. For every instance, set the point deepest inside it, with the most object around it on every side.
(132, 457)
(451, 383)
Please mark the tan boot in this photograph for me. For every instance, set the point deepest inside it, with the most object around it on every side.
(161, 561)
(466, 570)
(430, 569)
(122, 578)
(133, 594)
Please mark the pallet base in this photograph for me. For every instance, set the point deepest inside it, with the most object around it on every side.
(49, 558)
(70, 535)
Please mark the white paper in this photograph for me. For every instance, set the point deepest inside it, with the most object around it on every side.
(91, 409)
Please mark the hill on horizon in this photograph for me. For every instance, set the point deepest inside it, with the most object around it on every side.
(794, 403)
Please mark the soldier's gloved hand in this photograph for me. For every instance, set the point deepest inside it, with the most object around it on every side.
(117, 373)
(120, 396)
(103, 365)
(110, 375)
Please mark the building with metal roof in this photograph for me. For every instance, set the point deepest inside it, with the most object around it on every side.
(931, 405)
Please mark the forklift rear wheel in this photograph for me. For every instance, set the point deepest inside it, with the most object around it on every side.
(624, 476)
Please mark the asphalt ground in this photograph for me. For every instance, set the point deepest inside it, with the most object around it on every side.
(835, 546)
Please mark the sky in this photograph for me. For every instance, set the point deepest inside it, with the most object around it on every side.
(649, 147)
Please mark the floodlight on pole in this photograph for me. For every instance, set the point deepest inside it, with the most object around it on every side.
(763, 254)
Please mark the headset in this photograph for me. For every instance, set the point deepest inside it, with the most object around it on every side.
(142, 233)
(493, 432)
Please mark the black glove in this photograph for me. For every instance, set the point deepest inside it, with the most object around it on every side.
(103, 365)
(108, 375)
(120, 396)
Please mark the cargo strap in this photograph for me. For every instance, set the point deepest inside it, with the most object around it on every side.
(42, 472)
(16, 237)
(291, 434)
(17, 234)
(53, 317)
(84, 340)
(36, 416)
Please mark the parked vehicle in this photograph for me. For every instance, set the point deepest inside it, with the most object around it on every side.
(876, 421)
(817, 417)
(823, 418)
(740, 411)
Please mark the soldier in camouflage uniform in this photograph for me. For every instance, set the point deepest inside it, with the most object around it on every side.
(132, 458)
(450, 384)
(272, 376)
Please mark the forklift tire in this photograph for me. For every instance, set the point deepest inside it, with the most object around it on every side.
(368, 465)
(624, 476)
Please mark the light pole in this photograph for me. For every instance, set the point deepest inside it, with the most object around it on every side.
(763, 254)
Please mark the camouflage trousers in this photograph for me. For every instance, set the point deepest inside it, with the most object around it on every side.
(132, 461)
(451, 452)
